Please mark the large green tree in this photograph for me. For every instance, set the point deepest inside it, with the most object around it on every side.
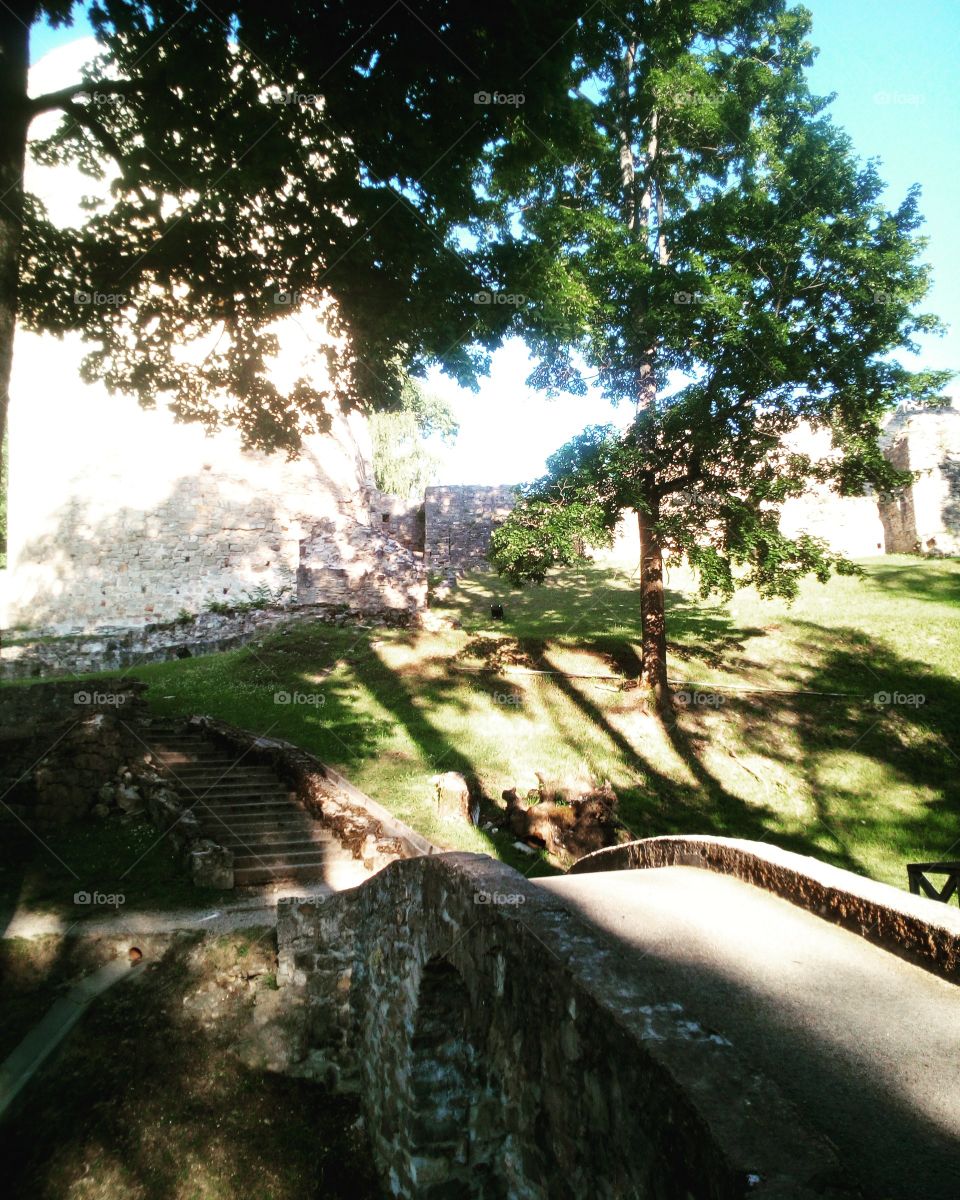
(403, 463)
(255, 158)
(701, 241)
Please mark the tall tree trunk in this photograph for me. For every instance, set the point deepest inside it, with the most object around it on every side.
(15, 21)
(652, 613)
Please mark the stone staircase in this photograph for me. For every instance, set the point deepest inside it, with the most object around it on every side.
(245, 806)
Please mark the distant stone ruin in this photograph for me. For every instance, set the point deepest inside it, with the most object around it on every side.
(121, 518)
(458, 524)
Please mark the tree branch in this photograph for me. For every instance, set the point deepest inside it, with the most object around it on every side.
(63, 97)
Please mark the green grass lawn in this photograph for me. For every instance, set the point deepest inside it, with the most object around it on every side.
(787, 746)
(125, 858)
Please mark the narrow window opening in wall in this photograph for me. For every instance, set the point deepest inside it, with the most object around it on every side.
(187, 559)
(385, 517)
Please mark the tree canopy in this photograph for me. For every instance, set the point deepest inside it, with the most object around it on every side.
(258, 158)
(403, 464)
(701, 241)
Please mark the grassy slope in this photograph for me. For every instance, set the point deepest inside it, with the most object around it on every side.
(865, 787)
(868, 788)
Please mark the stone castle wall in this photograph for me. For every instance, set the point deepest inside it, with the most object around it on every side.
(926, 517)
(458, 523)
(125, 517)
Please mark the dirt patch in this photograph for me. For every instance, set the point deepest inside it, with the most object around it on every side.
(149, 1100)
(493, 653)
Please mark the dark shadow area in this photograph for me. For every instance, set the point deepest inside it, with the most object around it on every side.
(915, 582)
(145, 1098)
(798, 1010)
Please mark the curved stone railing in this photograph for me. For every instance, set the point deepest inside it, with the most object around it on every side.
(503, 1046)
(923, 931)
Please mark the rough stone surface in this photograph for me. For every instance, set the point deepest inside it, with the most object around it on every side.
(454, 801)
(925, 518)
(211, 865)
(34, 654)
(569, 829)
(63, 746)
(136, 518)
(361, 825)
(458, 525)
(488, 1066)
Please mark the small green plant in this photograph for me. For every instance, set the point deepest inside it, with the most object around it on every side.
(184, 617)
(260, 597)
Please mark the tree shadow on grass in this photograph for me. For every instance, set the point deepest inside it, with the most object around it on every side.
(901, 722)
(916, 582)
(830, 744)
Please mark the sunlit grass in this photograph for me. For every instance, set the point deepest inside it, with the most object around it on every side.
(787, 744)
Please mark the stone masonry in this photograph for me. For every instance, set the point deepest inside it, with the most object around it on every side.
(926, 517)
(489, 1067)
(459, 522)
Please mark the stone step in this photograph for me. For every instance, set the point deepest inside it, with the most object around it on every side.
(292, 872)
(286, 818)
(280, 839)
(228, 775)
(237, 789)
(243, 847)
(173, 742)
(244, 802)
(246, 807)
(225, 775)
(211, 763)
(236, 817)
(226, 764)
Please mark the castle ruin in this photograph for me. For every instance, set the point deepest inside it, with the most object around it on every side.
(120, 517)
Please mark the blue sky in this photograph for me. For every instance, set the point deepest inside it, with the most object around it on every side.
(893, 67)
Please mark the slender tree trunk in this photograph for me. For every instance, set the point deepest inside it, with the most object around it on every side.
(652, 612)
(636, 212)
(15, 21)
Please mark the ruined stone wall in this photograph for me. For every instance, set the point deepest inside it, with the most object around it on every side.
(371, 559)
(926, 517)
(403, 520)
(458, 523)
(61, 742)
(121, 517)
